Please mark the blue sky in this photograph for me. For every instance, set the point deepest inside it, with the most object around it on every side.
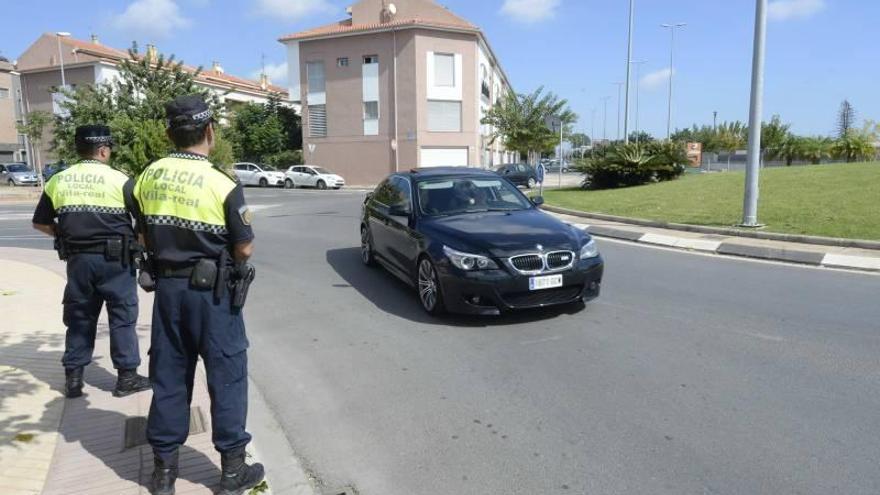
(819, 51)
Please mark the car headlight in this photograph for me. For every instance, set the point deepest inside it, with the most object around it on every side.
(590, 250)
(469, 262)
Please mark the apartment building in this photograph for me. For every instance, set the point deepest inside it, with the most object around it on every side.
(11, 143)
(90, 62)
(397, 85)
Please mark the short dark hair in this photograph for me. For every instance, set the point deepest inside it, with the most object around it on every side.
(188, 135)
(88, 150)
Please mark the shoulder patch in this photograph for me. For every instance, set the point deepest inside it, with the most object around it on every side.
(247, 216)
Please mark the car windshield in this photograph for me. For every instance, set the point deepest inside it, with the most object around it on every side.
(322, 170)
(18, 167)
(455, 196)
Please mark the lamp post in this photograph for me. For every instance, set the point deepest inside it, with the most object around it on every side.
(605, 118)
(672, 28)
(58, 36)
(750, 200)
(629, 56)
(592, 130)
(638, 64)
(619, 88)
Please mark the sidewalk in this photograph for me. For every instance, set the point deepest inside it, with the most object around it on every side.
(94, 444)
(790, 252)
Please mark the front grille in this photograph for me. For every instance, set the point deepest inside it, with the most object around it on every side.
(528, 263)
(546, 297)
(559, 259)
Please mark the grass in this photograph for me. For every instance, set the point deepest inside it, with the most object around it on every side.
(840, 200)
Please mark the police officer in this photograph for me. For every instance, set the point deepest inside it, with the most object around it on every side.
(93, 232)
(196, 226)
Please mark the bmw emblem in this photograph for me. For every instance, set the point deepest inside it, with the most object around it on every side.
(540, 247)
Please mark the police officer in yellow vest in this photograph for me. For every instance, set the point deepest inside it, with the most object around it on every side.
(198, 235)
(93, 233)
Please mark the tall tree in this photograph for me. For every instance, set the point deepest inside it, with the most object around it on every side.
(133, 106)
(34, 128)
(773, 135)
(731, 137)
(846, 119)
(520, 121)
(259, 131)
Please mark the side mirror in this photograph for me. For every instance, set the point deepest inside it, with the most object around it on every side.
(398, 211)
(538, 200)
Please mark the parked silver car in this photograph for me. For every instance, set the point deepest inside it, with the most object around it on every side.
(312, 176)
(18, 174)
(251, 174)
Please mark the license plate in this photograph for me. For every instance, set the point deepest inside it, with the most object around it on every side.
(546, 282)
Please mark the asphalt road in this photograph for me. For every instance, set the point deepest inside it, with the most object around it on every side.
(690, 375)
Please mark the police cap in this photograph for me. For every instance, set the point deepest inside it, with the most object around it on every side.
(93, 134)
(188, 111)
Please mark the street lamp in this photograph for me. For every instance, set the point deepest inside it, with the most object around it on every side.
(619, 88)
(605, 118)
(629, 56)
(672, 28)
(58, 36)
(750, 200)
(638, 64)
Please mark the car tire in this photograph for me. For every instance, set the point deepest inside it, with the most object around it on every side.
(321, 185)
(367, 256)
(264, 182)
(531, 183)
(288, 184)
(428, 287)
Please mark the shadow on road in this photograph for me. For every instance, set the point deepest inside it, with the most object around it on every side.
(393, 296)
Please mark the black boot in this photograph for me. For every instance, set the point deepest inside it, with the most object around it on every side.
(237, 476)
(164, 475)
(129, 382)
(73, 383)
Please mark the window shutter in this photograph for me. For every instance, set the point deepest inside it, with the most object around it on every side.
(444, 116)
(444, 70)
(317, 120)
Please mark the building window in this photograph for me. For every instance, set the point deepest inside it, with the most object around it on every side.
(342, 62)
(317, 121)
(444, 116)
(371, 110)
(444, 70)
(4, 93)
(371, 59)
(315, 74)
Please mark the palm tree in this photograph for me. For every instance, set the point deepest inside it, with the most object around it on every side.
(789, 150)
(853, 147)
(815, 149)
(731, 136)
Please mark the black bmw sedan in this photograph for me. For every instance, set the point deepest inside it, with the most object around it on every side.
(470, 242)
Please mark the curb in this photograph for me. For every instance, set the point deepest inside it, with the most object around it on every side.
(739, 249)
(727, 231)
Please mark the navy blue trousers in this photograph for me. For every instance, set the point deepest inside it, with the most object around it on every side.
(188, 324)
(93, 281)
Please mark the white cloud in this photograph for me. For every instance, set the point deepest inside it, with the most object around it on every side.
(293, 10)
(530, 11)
(277, 73)
(152, 18)
(655, 79)
(784, 10)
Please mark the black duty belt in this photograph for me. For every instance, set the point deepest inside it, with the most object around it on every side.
(175, 272)
(94, 249)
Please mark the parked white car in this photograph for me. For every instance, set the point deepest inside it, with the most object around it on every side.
(251, 174)
(312, 176)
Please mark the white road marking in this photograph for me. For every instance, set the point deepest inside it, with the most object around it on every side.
(763, 336)
(5, 217)
(541, 341)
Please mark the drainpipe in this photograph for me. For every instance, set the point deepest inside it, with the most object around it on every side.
(396, 137)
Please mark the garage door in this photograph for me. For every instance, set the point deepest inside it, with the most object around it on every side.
(444, 157)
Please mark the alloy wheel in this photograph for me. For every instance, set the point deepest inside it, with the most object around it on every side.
(429, 290)
(322, 185)
(288, 184)
(366, 247)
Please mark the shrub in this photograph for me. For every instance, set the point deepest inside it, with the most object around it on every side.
(285, 158)
(624, 165)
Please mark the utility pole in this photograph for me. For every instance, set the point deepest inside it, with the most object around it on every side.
(592, 130)
(619, 88)
(750, 201)
(638, 64)
(672, 28)
(629, 56)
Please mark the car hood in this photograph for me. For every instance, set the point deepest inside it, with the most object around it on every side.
(502, 234)
(23, 175)
(330, 176)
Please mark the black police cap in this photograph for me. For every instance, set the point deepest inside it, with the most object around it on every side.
(188, 111)
(93, 134)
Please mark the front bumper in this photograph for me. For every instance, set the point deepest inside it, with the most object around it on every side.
(494, 291)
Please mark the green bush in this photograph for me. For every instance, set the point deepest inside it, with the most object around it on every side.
(624, 165)
(284, 159)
